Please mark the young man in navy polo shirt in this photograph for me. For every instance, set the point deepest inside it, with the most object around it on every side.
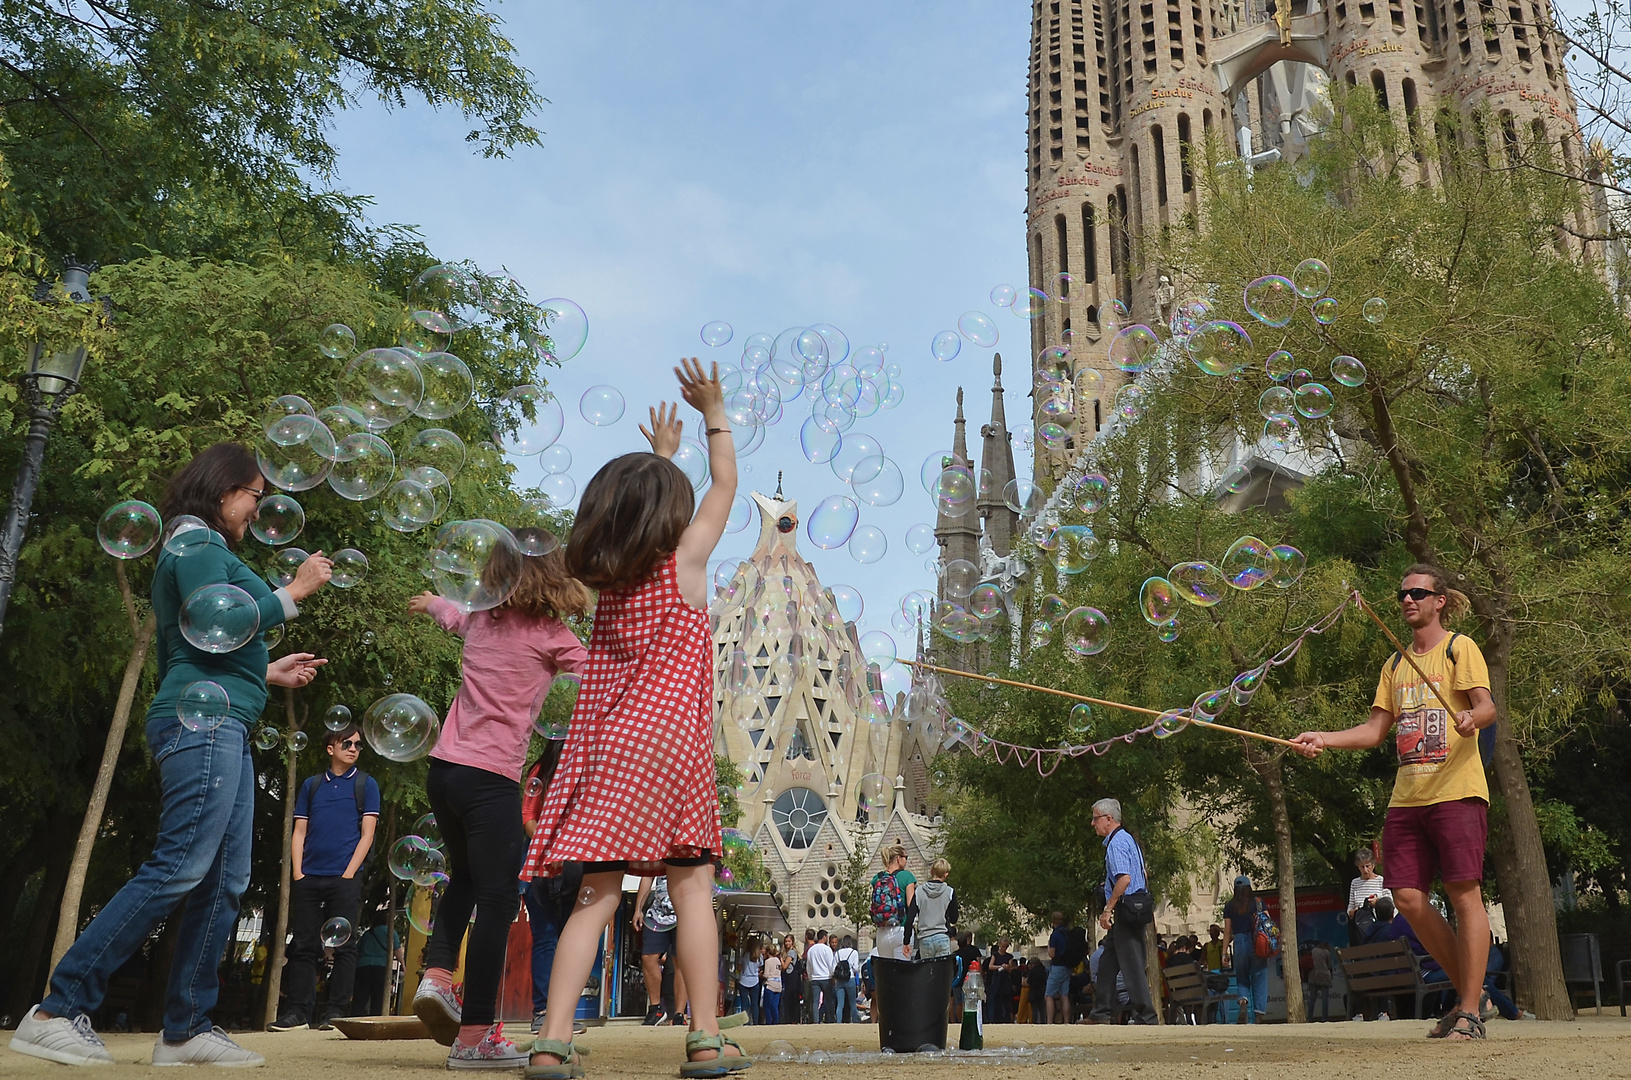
(333, 830)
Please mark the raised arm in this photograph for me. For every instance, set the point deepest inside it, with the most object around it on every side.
(703, 393)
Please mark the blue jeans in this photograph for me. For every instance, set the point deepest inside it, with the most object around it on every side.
(931, 946)
(1251, 975)
(747, 998)
(844, 993)
(206, 820)
(546, 918)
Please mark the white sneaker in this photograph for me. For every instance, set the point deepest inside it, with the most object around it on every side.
(59, 1039)
(213, 1047)
(1383, 1016)
(1359, 1018)
(494, 1051)
(439, 1007)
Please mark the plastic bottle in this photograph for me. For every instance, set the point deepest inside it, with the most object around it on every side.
(973, 1034)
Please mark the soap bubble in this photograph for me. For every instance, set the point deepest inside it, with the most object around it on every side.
(400, 727)
(202, 706)
(877, 481)
(1325, 311)
(1133, 348)
(716, 333)
(858, 459)
(337, 341)
(535, 787)
(298, 741)
(1374, 310)
(219, 618)
(268, 737)
(337, 717)
(408, 506)
(1198, 583)
(561, 331)
(868, 361)
(129, 529)
(278, 520)
(341, 421)
(1275, 401)
(978, 328)
(534, 529)
(1169, 632)
(820, 440)
(1029, 304)
(1086, 631)
(874, 793)
(1280, 365)
(601, 405)
(920, 539)
(335, 932)
(281, 410)
(1300, 376)
(296, 453)
(476, 565)
(1288, 566)
(1062, 284)
(417, 341)
(692, 460)
(1247, 563)
(1053, 608)
(1113, 315)
(186, 535)
(1130, 401)
(935, 464)
(1245, 685)
(1051, 436)
(832, 522)
(1348, 371)
(1313, 400)
(385, 385)
(1311, 278)
(1171, 723)
(878, 648)
(1280, 432)
(285, 565)
(868, 544)
(1003, 295)
(1220, 348)
(429, 831)
(1081, 720)
(958, 625)
(535, 435)
(363, 466)
(1091, 491)
(946, 345)
(560, 489)
(1188, 314)
(406, 856)
(849, 602)
(1271, 300)
(741, 514)
(1158, 601)
(444, 298)
(959, 578)
(1077, 547)
(448, 388)
(350, 567)
(1023, 497)
(987, 601)
(436, 448)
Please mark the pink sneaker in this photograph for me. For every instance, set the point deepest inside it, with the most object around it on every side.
(494, 1051)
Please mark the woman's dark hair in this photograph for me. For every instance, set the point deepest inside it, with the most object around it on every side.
(630, 519)
(548, 760)
(205, 480)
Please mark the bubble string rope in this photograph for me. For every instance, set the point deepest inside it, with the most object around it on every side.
(1047, 759)
(1364, 605)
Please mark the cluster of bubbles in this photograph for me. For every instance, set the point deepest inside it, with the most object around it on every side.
(1248, 564)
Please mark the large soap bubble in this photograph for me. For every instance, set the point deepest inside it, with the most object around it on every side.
(187, 535)
(1158, 601)
(350, 567)
(202, 706)
(385, 385)
(978, 328)
(1248, 563)
(561, 330)
(406, 856)
(1198, 583)
(539, 423)
(219, 618)
(868, 544)
(476, 564)
(1086, 631)
(832, 522)
(1288, 566)
(1134, 348)
(1271, 300)
(337, 341)
(445, 298)
(363, 467)
(601, 406)
(278, 520)
(129, 529)
(400, 727)
(408, 506)
(296, 452)
(1311, 278)
(449, 386)
(437, 447)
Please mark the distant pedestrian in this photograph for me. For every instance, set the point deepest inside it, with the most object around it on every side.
(1059, 966)
(893, 889)
(931, 917)
(747, 984)
(1000, 982)
(771, 1001)
(1363, 892)
(822, 961)
(1127, 907)
(377, 953)
(1319, 980)
(1251, 970)
(846, 979)
(1036, 990)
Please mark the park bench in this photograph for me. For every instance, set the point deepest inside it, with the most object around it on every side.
(1190, 995)
(1385, 969)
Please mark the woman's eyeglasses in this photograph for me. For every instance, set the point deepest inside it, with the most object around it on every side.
(259, 493)
(1416, 594)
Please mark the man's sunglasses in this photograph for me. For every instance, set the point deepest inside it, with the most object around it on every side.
(1417, 594)
(351, 744)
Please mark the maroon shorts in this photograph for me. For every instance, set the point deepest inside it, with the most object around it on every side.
(1444, 840)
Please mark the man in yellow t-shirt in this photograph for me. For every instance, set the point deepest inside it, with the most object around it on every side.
(1437, 821)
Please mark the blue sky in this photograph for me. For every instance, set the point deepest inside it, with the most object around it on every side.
(770, 165)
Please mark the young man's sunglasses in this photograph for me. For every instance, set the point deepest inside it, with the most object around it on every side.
(351, 744)
(1416, 594)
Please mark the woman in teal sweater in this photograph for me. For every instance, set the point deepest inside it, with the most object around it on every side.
(207, 783)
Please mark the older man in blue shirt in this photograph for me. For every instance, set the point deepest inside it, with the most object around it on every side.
(1124, 938)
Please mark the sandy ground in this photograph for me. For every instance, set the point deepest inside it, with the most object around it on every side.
(1589, 1047)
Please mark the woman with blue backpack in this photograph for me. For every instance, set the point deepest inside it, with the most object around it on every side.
(1254, 939)
(893, 890)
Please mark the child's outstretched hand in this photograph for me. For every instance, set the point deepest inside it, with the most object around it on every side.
(701, 391)
(665, 431)
(421, 603)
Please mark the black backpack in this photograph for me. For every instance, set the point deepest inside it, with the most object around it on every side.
(842, 973)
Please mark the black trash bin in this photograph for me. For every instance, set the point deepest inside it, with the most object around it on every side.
(911, 1002)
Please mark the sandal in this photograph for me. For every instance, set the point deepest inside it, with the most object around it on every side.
(1465, 1027)
(1442, 1028)
(570, 1067)
(717, 1066)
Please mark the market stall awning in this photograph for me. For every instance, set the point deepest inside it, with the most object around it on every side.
(758, 909)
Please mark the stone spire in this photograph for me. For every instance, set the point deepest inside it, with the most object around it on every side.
(959, 536)
(997, 463)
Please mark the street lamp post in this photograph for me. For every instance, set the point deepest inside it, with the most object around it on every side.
(50, 380)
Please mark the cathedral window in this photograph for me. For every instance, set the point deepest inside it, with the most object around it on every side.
(1090, 247)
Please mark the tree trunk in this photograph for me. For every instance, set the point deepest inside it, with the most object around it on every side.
(68, 921)
(1520, 870)
(1152, 970)
(274, 963)
(1285, 871)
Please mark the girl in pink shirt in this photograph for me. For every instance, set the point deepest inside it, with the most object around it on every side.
(511, 656)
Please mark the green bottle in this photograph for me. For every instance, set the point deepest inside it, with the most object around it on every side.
(973, 1036)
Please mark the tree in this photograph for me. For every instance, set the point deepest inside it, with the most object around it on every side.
(855, 884)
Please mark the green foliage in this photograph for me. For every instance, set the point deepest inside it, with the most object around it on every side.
(854, 883)
(728, 778)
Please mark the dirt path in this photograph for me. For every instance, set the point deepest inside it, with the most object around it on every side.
(1589, 1047)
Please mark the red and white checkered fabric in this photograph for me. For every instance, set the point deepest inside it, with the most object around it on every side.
(636, 777)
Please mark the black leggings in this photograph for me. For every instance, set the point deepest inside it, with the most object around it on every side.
(479, 815)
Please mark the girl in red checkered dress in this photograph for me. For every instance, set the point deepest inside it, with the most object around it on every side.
(635, 790)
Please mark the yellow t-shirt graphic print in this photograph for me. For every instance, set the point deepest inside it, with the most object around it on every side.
(1435, 764)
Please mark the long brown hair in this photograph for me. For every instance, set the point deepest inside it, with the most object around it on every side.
(205, 480)
(630, 519)
(546, 590)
